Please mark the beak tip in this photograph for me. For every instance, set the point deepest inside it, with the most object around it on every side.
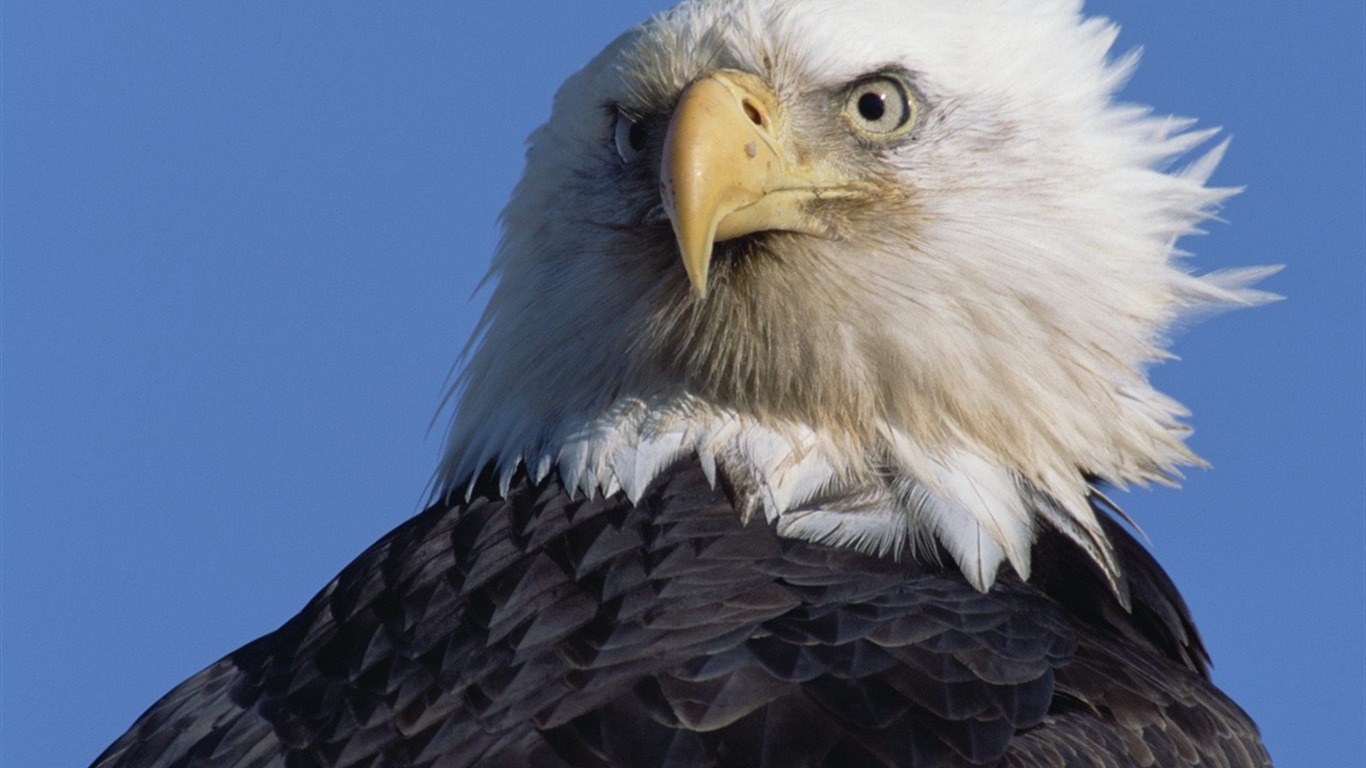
(695, 249)
(697, 279)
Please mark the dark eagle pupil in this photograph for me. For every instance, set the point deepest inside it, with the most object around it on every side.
(872, 107)
(637, 137)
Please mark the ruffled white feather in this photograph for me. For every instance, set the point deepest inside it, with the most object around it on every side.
(993, 336)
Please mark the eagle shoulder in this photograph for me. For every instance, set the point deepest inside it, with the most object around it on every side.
(544, 628)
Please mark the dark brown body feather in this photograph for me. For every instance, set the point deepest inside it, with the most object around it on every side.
(541, 630)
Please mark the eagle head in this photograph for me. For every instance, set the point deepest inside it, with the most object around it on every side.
(896, 268)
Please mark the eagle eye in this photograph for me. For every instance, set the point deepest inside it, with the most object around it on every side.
(629, 138)
(880, 107)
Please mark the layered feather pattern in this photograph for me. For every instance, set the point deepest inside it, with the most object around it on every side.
(529, 628)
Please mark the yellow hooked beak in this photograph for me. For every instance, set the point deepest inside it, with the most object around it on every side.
(727, 173)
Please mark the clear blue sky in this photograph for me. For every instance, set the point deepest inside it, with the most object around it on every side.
(239, 246)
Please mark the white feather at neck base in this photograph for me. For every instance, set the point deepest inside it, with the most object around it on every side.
(894, 499)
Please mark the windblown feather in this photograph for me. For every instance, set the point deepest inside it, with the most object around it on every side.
(951, 365)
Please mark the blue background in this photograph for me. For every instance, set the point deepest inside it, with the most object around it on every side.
(239, 246)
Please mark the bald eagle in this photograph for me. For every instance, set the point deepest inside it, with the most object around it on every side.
(820, 328)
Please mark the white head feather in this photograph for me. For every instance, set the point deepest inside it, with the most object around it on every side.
(955, 362)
